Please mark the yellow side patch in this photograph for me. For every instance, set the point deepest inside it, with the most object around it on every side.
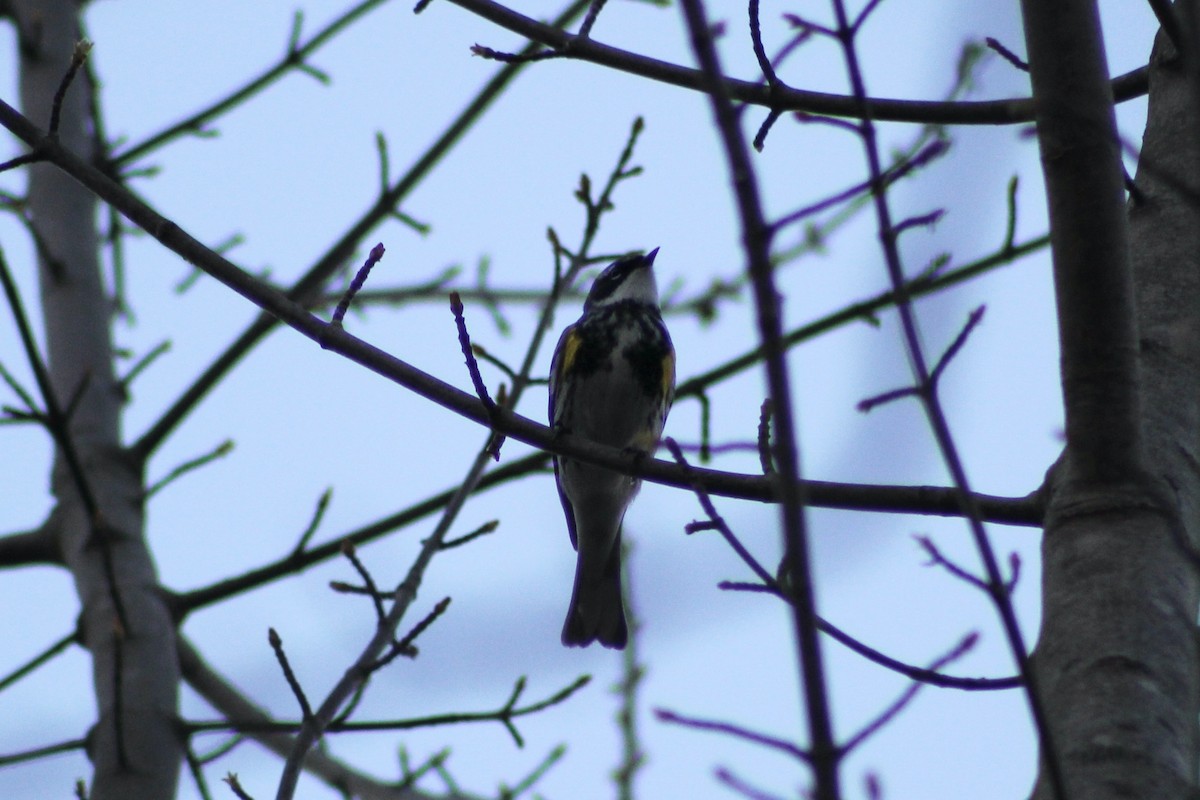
(570, 349)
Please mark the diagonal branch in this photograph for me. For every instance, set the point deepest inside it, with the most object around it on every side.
(221, 694)
(293, 59)
(280, 307)
(309, 287)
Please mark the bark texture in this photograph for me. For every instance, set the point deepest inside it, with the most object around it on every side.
(1117, 660)
(98, 518)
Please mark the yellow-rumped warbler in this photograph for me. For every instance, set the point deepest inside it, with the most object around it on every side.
(612, 381)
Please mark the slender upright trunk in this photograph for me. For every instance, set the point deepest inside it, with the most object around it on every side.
(135, 745)
(1117, 660)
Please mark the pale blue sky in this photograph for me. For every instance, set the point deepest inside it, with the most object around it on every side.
(296, 165)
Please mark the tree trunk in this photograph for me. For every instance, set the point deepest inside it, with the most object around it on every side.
(135, 746)
(1117, 660)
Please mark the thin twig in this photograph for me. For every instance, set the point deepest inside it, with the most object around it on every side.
(973, 320)
(937, 559)
(1010, 228)
(142, 363)
(41, 658)
(1006, 54)
(196, 770)
(293, 59)
(922, 391)
(314, 523)
(760, 53)
(38, 753)
(589, 19)
(231, 780)
(529, 781)
(410, 776)
(464, 343)
(404, 647)
(927, 220)
(505, 715)
(887, 715)
(911, 671)
(717, 522)
(925, 156)
(351, 554)
(78, 58)
(220, 451)
(360, 278)
(483, 530)
(764, 437)
(288, 674)
(726, 776)
(774, 743)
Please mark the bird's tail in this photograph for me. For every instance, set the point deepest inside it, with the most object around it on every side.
(596, 612)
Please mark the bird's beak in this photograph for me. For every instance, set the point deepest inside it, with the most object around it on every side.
(650, 256)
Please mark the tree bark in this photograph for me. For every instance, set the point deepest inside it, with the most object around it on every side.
(135, 745)
(1117, 660)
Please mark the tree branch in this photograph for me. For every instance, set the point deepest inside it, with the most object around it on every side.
(221, 694)
(756, 243)
(309, 287)
(990, 112)
(1081, 161)
(293, 59)
(29, 547)
(1016, 511)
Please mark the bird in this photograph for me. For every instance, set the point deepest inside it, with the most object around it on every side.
(612, 380)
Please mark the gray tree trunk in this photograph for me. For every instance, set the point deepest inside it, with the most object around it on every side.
(1117, 660)
(135, 745)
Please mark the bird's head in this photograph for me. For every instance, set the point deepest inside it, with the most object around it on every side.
(627, 279)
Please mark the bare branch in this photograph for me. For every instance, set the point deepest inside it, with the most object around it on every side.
(464, 342)
(294, 58)
(1006, 54)
(990, 112)
(311, 285)
(890, 713)
(772, 742)
(40, 659)
(288, 674)
(925, 383)
(29, 547)
(360, 278)
(351, 554)
(920, 286)
(756, 238)
(222, 695)
(220, 451)
(313, 524)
